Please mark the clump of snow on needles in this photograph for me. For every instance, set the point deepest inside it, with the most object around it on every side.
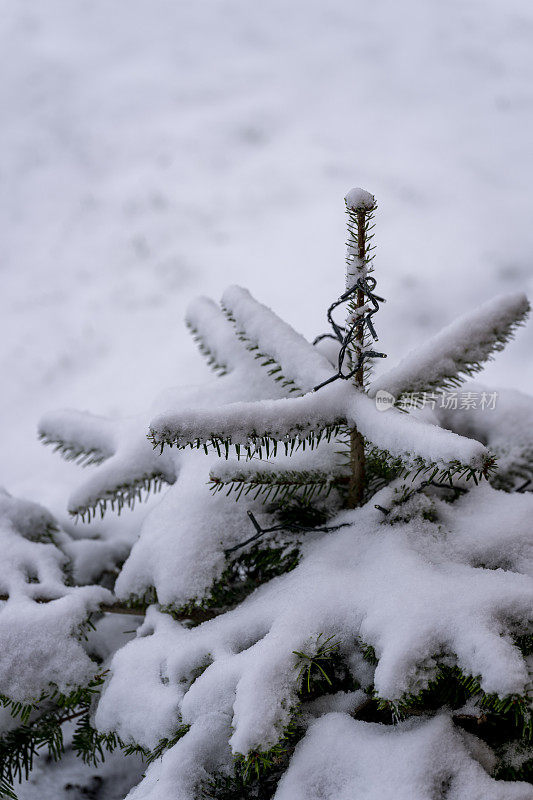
(408, 590)
(41, 617)
(360, 199)
(342, 759)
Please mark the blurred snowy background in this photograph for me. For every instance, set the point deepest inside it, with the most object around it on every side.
(151, 150)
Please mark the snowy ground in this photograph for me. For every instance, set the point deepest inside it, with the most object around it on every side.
(151, 150)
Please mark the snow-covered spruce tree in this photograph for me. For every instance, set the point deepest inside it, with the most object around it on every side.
(358, 624)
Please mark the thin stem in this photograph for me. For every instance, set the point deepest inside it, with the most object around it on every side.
(357, 446)
(72, 716)
(360, 298)
(196, 615)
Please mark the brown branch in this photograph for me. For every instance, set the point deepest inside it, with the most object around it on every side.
(72, 716)
(362, 706)
(196, 615)
(469, 719)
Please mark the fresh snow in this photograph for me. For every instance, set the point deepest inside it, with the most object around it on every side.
(273, 337)
(40, 614)
(401, 435)
(180, 550)
(406, 437)
(128, 457)
(409, 587)
(360, 198)
(210, 325)
(461, 348)
(507, 429)
(345, 759)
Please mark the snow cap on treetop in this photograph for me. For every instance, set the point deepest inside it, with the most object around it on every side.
(360, 198)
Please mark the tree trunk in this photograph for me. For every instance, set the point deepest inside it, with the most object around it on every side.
(357, 448)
